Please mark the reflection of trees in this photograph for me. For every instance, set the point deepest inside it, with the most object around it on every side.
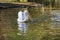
(1, 36)
(18, 0)
(46, 2)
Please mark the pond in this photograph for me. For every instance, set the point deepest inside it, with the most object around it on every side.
(38, 29)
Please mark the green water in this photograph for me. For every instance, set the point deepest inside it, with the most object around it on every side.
(38, 28)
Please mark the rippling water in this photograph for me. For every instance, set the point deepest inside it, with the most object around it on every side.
(56, 19)
(38, 27)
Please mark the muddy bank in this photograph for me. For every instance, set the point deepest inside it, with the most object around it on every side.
(10, 5)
